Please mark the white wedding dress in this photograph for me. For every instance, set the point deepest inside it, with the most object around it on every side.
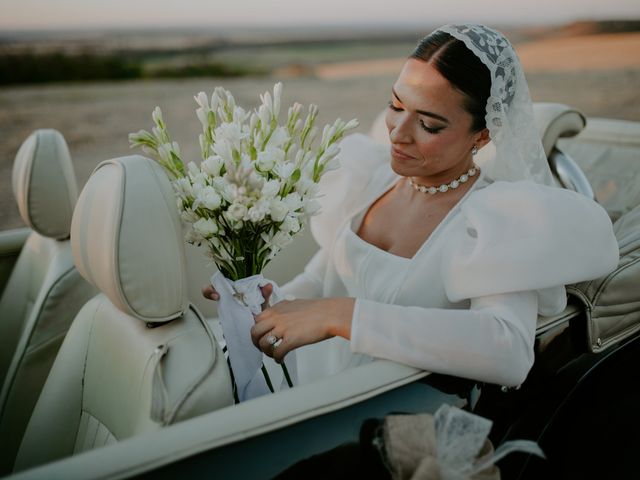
(467, 303)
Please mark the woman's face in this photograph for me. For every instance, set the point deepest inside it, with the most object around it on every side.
(429, 129)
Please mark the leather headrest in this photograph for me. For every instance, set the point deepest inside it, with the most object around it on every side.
(556, 120)
(44, 183)
(127, 240)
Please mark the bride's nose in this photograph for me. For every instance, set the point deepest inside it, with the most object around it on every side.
(399, 127)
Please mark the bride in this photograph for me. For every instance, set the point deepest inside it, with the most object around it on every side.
(431, 255)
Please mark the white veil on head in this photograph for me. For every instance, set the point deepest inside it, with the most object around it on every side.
(515, 151)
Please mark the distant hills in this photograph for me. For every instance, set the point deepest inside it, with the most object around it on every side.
(60, 56)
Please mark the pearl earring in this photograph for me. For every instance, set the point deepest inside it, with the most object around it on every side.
(474, 150)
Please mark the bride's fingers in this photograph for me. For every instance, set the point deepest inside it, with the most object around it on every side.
(210, 293)
(267, 341)
(281, 349)
(259, 330)
(267, 290)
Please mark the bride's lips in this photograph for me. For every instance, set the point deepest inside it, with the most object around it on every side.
(396, 152)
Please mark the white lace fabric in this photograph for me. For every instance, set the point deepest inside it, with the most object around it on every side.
(517, 152)
(451, 444)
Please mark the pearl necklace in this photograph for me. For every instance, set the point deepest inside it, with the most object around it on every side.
(445, 186)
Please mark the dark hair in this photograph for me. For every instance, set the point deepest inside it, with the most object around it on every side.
(462, 68)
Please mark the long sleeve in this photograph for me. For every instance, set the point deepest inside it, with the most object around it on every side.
(492, 341)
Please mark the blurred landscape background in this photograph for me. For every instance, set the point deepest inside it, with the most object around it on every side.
(97, 85)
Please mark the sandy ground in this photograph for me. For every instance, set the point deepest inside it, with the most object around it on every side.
(554, 55)
(598, 75)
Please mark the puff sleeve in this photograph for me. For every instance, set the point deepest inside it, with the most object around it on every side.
(521, 236)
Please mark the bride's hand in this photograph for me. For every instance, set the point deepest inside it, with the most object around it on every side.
(301, 322)
(211, 293)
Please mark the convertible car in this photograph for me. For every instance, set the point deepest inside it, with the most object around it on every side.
(102, 379)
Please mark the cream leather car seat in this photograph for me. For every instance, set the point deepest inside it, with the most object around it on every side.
(44, 291)
(138, 356)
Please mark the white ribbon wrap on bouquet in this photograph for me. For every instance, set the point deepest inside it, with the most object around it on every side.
(460, 436)
(452, 444)
(239, 301)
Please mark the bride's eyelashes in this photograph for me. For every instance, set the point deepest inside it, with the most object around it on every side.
(393, 107)
(429, 129)
(425, 127)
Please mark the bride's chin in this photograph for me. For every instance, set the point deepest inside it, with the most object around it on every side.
(401, 169)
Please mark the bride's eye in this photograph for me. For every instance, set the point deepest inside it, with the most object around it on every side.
(430, 129)
(393, 107)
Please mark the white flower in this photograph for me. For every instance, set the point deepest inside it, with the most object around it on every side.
(203, 116)
(193, 169)
(255, 181)
(164, 151)
(351, 124)
(212, 165)
(281, 239)
(191, 236)
(205, 227)
(332, 151)
(266, 101)
(265, 118)
(245, 163)
(293, 201)
(188, 216)
(258, 212)
(278, 210)
(277, 93)
(240, 116)
(312, 207)
(157, 116)
(200, 180)
(222, 148)
(220, 184)
(284, 169)
(230, 192)
(268, 158)
(306, 186)
(278, 138)
(184, 185)
(313, 134)
(202, 101)
(253, 121)
(236, 211)
(209, 198)
(232, 133)
(216, 98)
(290, 224)
(204, 148)
(270, 189)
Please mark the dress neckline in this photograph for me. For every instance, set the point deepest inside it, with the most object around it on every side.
(361, 213)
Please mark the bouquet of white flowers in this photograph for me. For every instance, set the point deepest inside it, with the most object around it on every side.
(255, 188)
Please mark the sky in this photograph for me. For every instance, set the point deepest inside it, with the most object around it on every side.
(64, 14)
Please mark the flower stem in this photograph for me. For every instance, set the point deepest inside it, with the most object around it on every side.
(286, 374)
(266, 377)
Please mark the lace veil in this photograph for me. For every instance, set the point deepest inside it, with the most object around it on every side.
(515, 151)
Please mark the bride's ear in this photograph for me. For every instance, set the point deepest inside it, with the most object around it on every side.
(482, 138)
